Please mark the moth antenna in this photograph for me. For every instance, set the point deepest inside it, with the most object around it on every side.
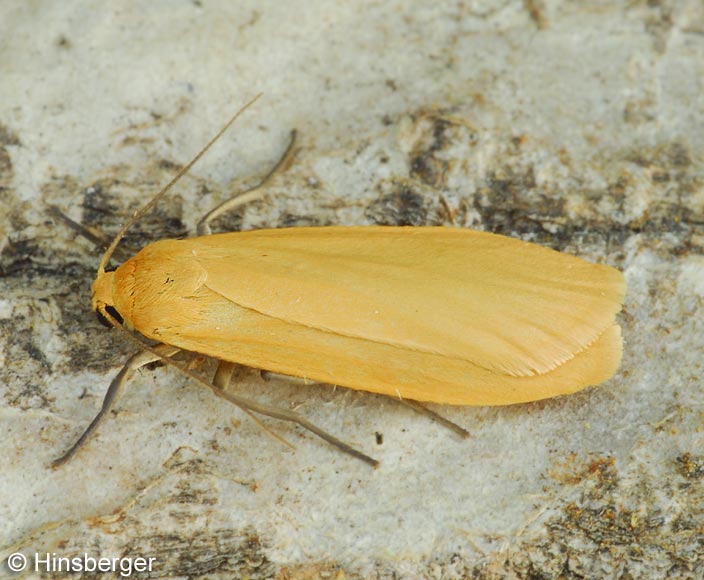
(185, 169)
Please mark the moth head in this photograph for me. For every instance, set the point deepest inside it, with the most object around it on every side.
(106, 299)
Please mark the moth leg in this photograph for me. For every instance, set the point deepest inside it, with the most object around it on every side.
(223, 374)
(222, 379)
(268, 375)
(247, 196)
(415, 405)
(433, 416)
(94, 236)
(134, 363)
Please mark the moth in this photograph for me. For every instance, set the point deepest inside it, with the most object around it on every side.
(428, 314)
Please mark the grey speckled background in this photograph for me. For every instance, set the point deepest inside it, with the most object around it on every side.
(577, 125)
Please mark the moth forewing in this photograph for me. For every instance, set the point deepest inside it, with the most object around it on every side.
(420, 313)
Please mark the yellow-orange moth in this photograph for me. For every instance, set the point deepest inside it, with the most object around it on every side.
(433, 314)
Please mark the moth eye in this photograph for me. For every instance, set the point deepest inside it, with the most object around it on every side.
(113, 312)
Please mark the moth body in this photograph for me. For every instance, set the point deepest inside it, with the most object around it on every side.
(430, 314)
